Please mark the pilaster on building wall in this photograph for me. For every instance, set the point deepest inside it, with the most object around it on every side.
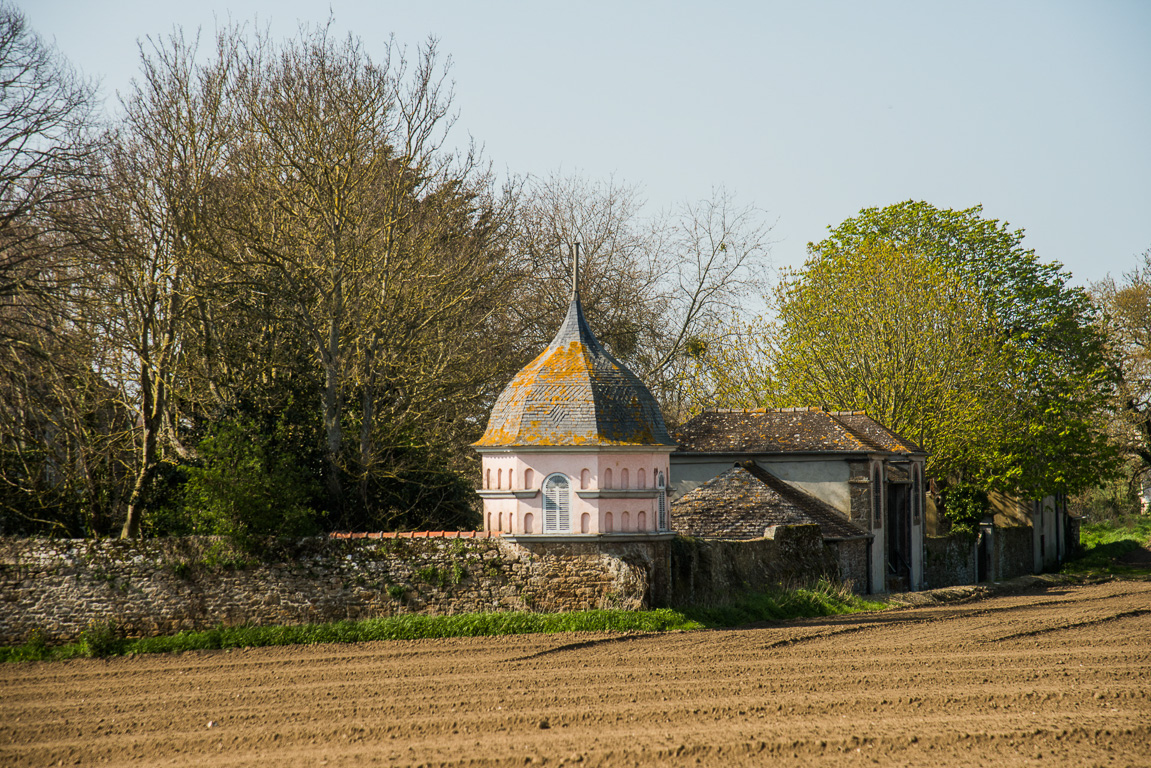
(860, 490)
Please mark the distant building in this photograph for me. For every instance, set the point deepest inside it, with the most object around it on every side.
(576, 446)
(807, 464)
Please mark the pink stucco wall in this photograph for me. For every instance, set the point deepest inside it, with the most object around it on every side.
(596, 470)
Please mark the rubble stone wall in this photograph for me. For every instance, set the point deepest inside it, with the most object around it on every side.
(712, 571)
(161, 586)
(949, 560)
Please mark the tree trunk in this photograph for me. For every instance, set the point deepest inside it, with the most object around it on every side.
(331, 405)
(367, 453)
(149, 423)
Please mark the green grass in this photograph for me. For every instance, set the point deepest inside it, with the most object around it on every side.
(103, 639)
(824, 599)
(1106, 541)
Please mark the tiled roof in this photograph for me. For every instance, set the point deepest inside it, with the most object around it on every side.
(874, 432)
(746, 499)
(788, 430)
(575, 393)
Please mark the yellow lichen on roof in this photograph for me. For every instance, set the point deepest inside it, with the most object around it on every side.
(575, 393)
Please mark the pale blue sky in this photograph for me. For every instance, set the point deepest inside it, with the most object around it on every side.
(1039, 110)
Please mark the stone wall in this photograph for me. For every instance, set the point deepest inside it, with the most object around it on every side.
(712, 571)
(999, 553)
(161, 586)
(1012, 552)
(949, 561)
(851, 556)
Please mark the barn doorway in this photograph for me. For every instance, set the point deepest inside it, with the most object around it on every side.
(898, 537)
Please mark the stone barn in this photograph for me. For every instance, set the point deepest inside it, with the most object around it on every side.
(748, 502)
(810, 463)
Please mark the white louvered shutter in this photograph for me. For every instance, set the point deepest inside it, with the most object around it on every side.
(557, 504)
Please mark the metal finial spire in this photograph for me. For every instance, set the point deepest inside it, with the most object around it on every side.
(575, 272)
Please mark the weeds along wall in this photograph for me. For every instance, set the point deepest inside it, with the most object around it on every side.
(161, 586)
(711, 571)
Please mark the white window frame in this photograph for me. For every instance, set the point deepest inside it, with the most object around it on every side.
(557, 503)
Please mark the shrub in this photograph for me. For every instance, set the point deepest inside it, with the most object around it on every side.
(248, 489)
(964, 505)
(100, 639)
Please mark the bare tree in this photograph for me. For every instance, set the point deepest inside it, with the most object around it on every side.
(159, 168)
(383, 248)
(619, 266)
(652, 287)
(1126, 320)
(54, 471)
(46, 110)
(720, 259)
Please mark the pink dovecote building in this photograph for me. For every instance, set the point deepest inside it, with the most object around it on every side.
(576, 445)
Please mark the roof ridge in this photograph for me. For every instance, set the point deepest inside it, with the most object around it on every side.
(867, 441)
(789, 409)
(909, 445)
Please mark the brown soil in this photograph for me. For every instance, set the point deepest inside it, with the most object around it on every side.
(1140, 558)
(1058, 678)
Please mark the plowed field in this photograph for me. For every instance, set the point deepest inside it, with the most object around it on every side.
(1061, 677)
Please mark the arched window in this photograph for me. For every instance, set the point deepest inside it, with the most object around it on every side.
(641, 521)
(488, 478)
(625, 522)
(607, 478)
(661, 484)
(585, 479)
(529, 522)
(557, 504)
(623, 478)
(499, 478)
(641, 479)
(501, 519)
(585, 523)
(511, 479)
(529, 476)
(877, 497)
(608, 525)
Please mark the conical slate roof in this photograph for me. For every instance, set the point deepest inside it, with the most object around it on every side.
(575, 393)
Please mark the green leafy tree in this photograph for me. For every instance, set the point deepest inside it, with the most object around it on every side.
(1058, 376)
(943, 326)
(964, 505)
(893, 333)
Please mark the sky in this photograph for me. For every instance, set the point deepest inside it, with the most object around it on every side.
(1039, 110)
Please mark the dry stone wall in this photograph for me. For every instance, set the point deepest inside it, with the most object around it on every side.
(949, 560)
(712, 571)
(1011, 552)
(161, 586)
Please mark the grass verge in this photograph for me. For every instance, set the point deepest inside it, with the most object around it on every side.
(823, 599)
(1105, 542)
(104, 639)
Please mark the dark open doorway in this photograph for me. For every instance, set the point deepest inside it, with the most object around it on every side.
(898, 538)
